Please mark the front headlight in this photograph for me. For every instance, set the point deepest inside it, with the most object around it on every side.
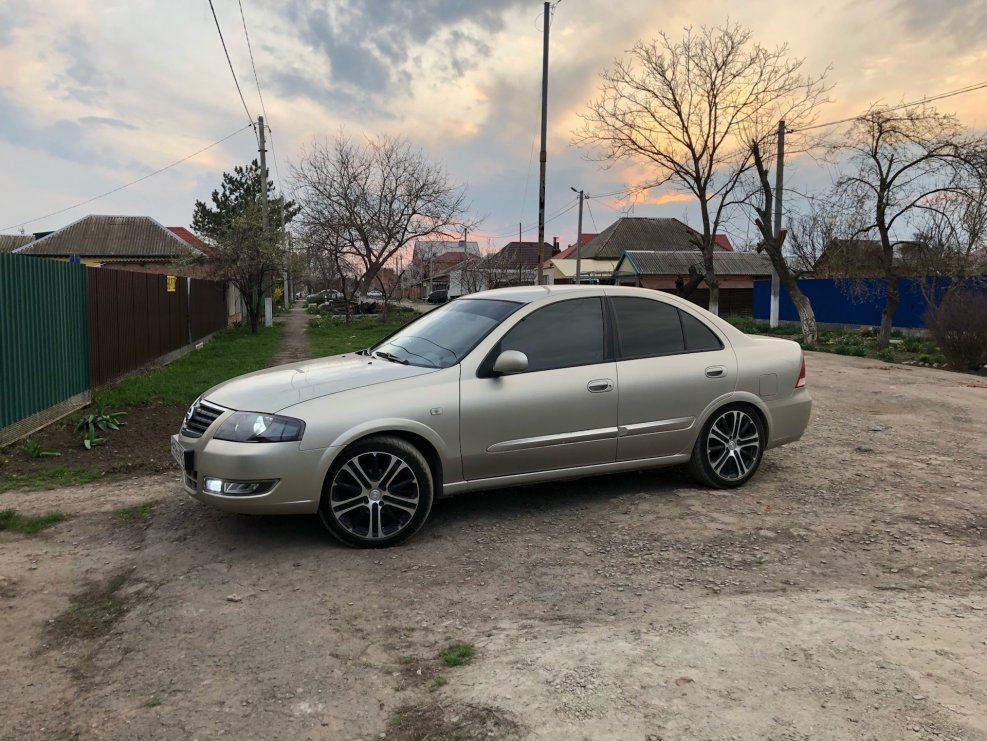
(254, 427)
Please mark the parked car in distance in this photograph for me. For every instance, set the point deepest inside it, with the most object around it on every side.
(438, 297)
(500, 388)
(375, 293)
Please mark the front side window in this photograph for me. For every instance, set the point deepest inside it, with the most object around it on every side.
(441, 338)
(561, 335)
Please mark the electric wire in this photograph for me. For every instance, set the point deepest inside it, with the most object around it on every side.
(565, 209)
(230, 62)
(127, 185)
(928, 99)
(252, 65)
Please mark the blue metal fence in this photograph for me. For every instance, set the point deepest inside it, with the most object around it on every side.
(855, 302)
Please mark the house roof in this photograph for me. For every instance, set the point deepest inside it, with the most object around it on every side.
(427, 249)
(570, 251)
(646, 262)
(111, 236)
(642, 233)
(10, 242)
(722, 240)
(182, 233)
(520, 255)
(450, 258)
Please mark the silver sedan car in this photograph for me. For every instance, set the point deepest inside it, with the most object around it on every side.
(501, 388)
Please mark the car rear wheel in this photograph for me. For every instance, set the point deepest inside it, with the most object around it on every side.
(377, 494)
(730, 447)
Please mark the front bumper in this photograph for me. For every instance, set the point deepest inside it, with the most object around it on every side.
(299, 473)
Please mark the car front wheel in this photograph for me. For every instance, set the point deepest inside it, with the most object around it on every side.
(729, 448)
(378, 493)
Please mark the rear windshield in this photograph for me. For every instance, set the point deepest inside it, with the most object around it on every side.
(444, 336)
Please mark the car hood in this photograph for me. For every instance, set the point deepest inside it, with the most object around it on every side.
(274, 389)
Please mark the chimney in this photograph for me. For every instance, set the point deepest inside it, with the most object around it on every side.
(555, 246)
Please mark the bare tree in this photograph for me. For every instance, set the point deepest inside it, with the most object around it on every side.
(372, 199)
(693, 107)
(903, 163)
(773, 244)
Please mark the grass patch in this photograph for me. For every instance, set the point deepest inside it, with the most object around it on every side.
(93, 612)
(136, 513)
(438, 683)
(52, 479)
(231, 353)
(11, 520)
(332, 337)
(860, 344)
(457, 654)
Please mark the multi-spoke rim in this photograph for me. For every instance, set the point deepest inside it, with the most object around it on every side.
(733, 445)
(374, 495)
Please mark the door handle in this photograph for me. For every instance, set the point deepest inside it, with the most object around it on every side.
(716, 371)
(600, 386)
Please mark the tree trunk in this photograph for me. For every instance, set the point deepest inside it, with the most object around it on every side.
(807, 317)
(890, 305)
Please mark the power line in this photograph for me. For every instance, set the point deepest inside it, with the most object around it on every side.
(565, 209)
(592, 218)
(929, 99)
(252, 66)
(229, 61)
(133, 182)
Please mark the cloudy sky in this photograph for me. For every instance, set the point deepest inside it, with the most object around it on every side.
(97, 93)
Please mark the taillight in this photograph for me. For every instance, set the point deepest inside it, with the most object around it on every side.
(800, 383)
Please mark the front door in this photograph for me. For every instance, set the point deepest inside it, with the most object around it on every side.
(560, 413)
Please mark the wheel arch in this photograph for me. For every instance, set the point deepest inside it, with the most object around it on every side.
(418, 438)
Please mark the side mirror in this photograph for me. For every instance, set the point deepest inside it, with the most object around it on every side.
(509, 362)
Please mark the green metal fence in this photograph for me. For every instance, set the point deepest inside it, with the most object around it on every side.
(44, 343)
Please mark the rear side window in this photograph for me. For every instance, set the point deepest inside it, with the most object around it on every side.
(647, 328)
(561, 335)
(698, 337)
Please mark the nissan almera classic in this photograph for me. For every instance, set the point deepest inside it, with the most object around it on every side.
(500, 388)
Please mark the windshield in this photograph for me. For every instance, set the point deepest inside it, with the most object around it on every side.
(444, 336)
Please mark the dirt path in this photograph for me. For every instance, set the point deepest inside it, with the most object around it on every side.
(840, 595)
(294, 338)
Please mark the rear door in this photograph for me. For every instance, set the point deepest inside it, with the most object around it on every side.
(670, 367)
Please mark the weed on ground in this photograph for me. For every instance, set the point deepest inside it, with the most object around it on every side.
(457, 653)
(47, 479)
(136, 514)
(10, 519)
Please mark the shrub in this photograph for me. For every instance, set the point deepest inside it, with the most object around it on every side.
(912, 344)
(959, 327)
(887, 355)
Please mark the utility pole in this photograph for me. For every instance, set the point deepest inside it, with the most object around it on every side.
(542, 155)
(779, 194)
(579, 234)
(262, 151)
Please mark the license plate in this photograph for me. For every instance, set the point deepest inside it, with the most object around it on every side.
(179, 453)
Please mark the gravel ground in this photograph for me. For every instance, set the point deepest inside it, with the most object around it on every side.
(841, 594)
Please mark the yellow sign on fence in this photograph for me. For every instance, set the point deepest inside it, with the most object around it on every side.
(172, 279)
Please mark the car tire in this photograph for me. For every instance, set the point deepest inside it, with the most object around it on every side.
(730, 447)
(378, 493)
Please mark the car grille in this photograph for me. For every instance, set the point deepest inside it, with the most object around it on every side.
(202, 416)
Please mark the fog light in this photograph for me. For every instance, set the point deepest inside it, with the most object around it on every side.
(238, 488)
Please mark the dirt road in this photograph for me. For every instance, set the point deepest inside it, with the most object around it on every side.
(840, 595)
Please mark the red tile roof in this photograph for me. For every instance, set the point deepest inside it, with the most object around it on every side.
(450, 258)
(722, 240)
(186, 236)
